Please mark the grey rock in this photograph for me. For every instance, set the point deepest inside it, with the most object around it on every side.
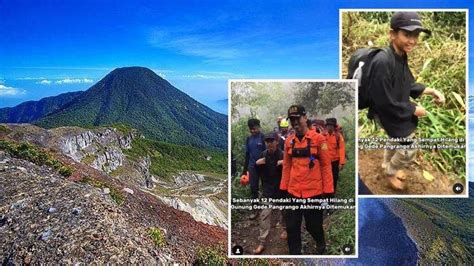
(46, 234)
(3, 220)
(20, 204)
(128, 190)
(76, 210)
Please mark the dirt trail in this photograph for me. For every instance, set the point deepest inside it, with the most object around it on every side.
(245, 233)
(371, 173)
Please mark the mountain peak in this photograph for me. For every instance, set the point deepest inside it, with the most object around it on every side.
(132, 69)
(138, 97)
(134, 72)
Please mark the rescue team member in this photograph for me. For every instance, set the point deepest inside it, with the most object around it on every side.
(278, 127)
(254, 146)
(337, 150)
(269, 167)
(306, 174)
(392, 84)
(318, 125)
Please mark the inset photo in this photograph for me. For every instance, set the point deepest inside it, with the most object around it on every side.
(293, 181)
(411, 69)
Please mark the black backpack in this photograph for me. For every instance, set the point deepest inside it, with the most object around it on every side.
(359, 66)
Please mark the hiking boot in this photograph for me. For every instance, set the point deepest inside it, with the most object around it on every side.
(397, 181)
(320, 249)
(259, 249)
(284, 235)
(253, 215)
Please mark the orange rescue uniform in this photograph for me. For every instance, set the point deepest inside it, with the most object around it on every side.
(298, 178)
(335, 153)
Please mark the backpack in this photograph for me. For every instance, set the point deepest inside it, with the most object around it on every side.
(359, 65)
(340, 133)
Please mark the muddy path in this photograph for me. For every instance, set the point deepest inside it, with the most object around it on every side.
(371, 173)
(245, 232)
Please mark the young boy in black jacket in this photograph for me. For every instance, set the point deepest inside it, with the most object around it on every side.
(392, 84)
(269, 167)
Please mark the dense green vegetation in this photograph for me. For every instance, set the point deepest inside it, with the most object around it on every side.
(139, 98)
(438, 62)
(168, 159)
(30, 152)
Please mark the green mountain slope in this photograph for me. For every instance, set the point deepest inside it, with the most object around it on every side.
(30, 111)
(138, 97)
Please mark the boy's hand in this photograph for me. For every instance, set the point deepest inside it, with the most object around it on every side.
(437, 95)
(280, 162)
(420, 111)
(260, 161)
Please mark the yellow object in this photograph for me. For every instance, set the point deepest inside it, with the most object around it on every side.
(284, 123)
(428, 176)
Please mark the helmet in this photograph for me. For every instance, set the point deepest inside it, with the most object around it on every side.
(284, 123)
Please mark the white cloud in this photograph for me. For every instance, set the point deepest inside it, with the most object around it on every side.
(10, 91)
(212, 75)
(73, 81)
(161, 75)
(44, 82)
(30, 78)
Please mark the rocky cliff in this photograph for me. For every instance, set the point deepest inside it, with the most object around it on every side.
(202, 196)
(88, 217)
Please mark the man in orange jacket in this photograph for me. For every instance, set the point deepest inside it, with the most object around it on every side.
(337, 150)
(306, 174)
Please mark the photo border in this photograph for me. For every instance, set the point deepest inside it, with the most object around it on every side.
(229, 175)
(466, 99)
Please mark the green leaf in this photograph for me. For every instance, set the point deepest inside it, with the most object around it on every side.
(428, 176)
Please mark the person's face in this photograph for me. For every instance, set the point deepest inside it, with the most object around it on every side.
(271, 144)
(330, 128)
(299, 124)
(284, 130)
(254, 130)
(404, 41)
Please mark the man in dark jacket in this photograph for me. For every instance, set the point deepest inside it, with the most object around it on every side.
(392, 84)
(254, 146)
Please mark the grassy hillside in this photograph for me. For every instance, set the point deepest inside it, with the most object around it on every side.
(168, 159)
(442, 228)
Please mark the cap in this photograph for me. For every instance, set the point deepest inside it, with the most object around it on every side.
(331, 121)
(270, 136)
(409, 21)
(296, 111)
(318, 122)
